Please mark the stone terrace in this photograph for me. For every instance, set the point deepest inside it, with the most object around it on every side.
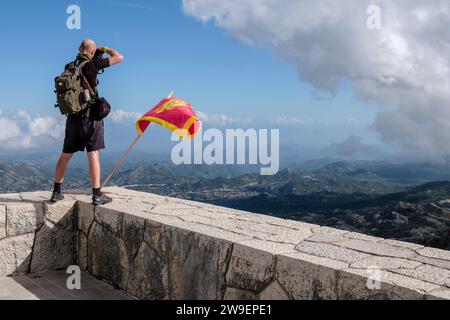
(155, 247)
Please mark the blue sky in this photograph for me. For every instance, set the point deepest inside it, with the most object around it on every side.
(164, 50)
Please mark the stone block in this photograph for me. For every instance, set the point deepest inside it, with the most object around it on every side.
(54, 246)
(61, 214)
(353, 284)
(110, 219)
(306, 277)
(239, 294)
(133, 234)
(107, 258)
(148, 275)
(250, 269)
(81, 251)
(23, 218)
(85, 216)
(273, 292)
(15, 254)
(197, 264)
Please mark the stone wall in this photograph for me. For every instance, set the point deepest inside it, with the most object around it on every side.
(156, 247)
(35, 236)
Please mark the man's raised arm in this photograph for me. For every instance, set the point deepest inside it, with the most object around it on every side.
(115, 57)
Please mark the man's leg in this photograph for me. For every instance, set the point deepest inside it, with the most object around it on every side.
(62, 166)
(98, 198)
(59, 176)
(94, 168)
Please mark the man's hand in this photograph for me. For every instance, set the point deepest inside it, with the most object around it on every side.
(115, 57)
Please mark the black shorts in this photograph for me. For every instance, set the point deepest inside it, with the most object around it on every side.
(83, 133)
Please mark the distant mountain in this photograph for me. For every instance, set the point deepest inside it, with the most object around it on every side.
(437, 192)
(17, 177)
(407, 173)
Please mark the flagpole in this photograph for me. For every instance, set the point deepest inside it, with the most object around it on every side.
(125, 155)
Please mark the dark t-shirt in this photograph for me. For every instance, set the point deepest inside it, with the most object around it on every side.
(92, 68)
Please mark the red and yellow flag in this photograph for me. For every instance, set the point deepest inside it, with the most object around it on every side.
(173, 114)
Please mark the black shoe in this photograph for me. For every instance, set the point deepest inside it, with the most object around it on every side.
(100, 200)
(56, 197)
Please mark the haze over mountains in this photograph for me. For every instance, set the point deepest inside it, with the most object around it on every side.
(410, 202)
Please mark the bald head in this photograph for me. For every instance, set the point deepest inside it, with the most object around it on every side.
(88, 48)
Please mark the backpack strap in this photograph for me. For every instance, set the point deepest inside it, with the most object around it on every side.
(81, 61)
(81, 65)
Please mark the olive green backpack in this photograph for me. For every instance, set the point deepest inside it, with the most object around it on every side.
(73, 92)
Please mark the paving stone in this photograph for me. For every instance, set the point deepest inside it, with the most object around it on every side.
(402, 244)
(328, 230)
(360, 236)
(434, 253)
(313, 259)
(217, 232)
(38, 196)
(292, 237)
(430, 274)
(385, 263)
(10, 197)
(269, 246)
(330, 251)
(326, 238)
(443, 264)
(378, 248)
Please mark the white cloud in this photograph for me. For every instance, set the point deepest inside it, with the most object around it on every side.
(222, 120)
(404, 66)
(353, 146)
(23, 131)
(118, 116)
(356, 122)
(284, 120)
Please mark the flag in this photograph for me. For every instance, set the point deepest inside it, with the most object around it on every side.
(174, 114)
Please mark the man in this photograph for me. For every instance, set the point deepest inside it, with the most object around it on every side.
(82, 130)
